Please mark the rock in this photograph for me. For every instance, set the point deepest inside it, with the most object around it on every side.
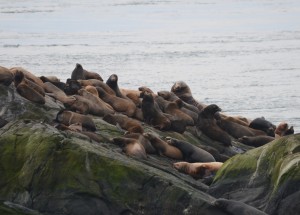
(267, 177)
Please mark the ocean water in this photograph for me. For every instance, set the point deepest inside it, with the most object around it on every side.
(243, 55)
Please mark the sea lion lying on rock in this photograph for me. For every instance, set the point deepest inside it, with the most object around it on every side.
(198, 170)
(163, 148)
(263, 125)
(28, 75)
(54, 80)
(208, 125)
(96, 83)
(80, 73)
(256, 141)
(183, 91)
(283, 129)
(143, 140)
(6, 76)
(131, 147)
(129, 124)
(190, 152)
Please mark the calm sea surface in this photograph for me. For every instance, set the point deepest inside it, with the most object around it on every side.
(243, 55)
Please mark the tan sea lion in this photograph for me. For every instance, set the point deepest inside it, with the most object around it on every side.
(125, 122)
(131, 147)
(163, 148)
(119, 104)
(6, 76)
(134, 95)
(80, 73)
(190, 152)
(152, 114)
(198, 170)
(208, 125)
(68, 118)
(142, 140)
(29, 89)
(58, 94)
(183, 91)
(97, 83)
(92, 90)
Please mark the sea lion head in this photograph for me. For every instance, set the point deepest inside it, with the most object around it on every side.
(211, 109)
(180, 87)
(72, 87)
(165, 94)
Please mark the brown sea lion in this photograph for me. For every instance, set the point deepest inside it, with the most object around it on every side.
(58, 94)
(77, 127)
(283, 129)
(183, 91)
(152, 114)
(80, 73)
(28, 75)
(68, 117)
(142, 140)
(174, 109)
(6, 76)
(92, 90)
(263, 125)
(58, 84)
(97, 83)
(72, 87)
(29, 89)
(208, 125)
(163, 148)
(236, 208)
(198, 170)
(50, 79)
(190, 152)
(134, 95)
(256, 141)
(126, 123)
(119, 104)
(112, 82)
(131, 147)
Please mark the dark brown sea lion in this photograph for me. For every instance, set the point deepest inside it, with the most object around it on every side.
(208, 125)
(72, 87)
(119, 104)
(153, 115)
(131, 147)
(174, 109)
(97, 83)
(236, 208)
(112, 82)
(190, 152)
(198, 170)
(264, 125)
(256, 141)
(29, 89)
(80, 73)
(6, 76)
(58, 94)
(183, 91)
(126, 123)
(143, 140)
(68, 117)
(51, 79)
(163, 148)
(28, 75)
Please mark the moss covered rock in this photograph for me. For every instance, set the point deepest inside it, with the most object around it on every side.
(267, 177)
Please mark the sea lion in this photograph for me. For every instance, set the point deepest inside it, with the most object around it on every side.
(80, 73)
(142, 140)
(112, 82)
(190, 152)
(283, 129)
(174, 109)
(96, 105)
(131, 147)
(208, 125)
(97, 83)
(198, 170)
(163, 148)
(153, 115)
(264, 125)
(77, 127)
(6, 76)
(236, 208)
(289, 131)
(147, 89)
(126, 123)
(256, 141)
(58, 94)
(29, 89)
(119, 104)
(28, 75)
(234, 119)
(183, 91)
(68, 117)
(52, 80)
(72, 87)
(134, 95)
(92, 90)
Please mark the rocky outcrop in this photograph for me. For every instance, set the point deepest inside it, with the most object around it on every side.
(267, 177)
